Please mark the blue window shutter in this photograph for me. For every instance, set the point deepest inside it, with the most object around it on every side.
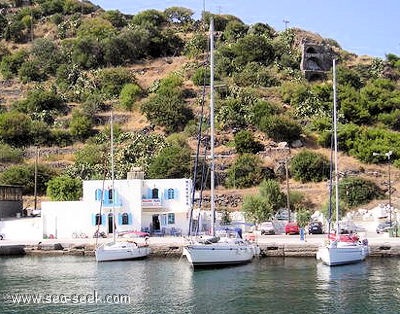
(93, 219)
(105, 197)
(165, 196)
(119, 219)
(176, 194)
(149, 193)
(98, 195)
(129, 219)
(103, 220)
(115, 198)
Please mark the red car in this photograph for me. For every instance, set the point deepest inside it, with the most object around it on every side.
(292, 228)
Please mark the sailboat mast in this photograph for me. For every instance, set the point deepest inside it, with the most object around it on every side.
(335, 145)
(36, 178)
(212, 127)
(112, 173)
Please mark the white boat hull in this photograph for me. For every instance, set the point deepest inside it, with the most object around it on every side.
(342, 253)
(119, 251)
(219, 254)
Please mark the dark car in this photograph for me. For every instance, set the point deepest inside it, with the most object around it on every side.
(315, 228)
(383, 227)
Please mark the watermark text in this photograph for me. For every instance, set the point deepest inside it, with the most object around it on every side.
(74, 298)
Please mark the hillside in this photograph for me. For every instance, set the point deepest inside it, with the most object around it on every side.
(64, 68)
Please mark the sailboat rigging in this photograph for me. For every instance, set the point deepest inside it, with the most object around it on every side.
(118, 250)
(228, 250)
(340, 249)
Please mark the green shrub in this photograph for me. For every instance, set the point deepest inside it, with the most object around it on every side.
(280, 128)
(355, 191)
(24, 175)
(64, 188)
(245, 143)
(15, 129)
(308, 166)
(112, 80)
(81, 125)
(9, 154)
(245, 172)
(201, 77)
(129, 94)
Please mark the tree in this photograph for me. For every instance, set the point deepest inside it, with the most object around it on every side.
(115, 17)
(168, 109)
(81, 126)
(149, 17)
(233, 113)
(179, 15)
(171, 163)
(253, 48)
(24, 175)
(9, 154)
(64, 188)
(308, 166)
(245, 143)
(245, 172)
(15, 128)
(266, 203)
(355, 191)
(130, 93)
(281, 128)
(303, 217)
(11, 63)
(235, 30)
(112, 80)
(96, 28)
(43, 105)
(256, 208)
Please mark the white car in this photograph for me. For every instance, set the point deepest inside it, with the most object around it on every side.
(267, 228)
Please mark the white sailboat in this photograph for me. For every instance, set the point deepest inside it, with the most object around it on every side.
(228, 250)
(340, 249)
(119, 250)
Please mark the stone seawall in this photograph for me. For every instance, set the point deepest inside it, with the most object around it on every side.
(175, 250)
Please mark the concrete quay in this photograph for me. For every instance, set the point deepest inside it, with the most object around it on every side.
(270, 245)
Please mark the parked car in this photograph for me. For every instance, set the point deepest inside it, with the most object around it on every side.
(315, 228)
(292, 228)
(383, 227)
(267, 228)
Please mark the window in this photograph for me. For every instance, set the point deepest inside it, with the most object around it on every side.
(98, 220)
(110, 194)
(154, 193)
(171, 219)
(170, 194)
(98, 195)
(163, 220)
(125, 219)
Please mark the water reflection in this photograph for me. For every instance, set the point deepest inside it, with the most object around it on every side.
(268, 285)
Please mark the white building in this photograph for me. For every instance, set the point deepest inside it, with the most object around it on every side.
(154, 205)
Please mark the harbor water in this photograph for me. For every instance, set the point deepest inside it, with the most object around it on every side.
(72, 284)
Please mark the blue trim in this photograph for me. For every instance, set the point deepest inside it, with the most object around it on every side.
(119, 219)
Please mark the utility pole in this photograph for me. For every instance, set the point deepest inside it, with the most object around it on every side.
(36, 174)
(287, 188)
(286, 22)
